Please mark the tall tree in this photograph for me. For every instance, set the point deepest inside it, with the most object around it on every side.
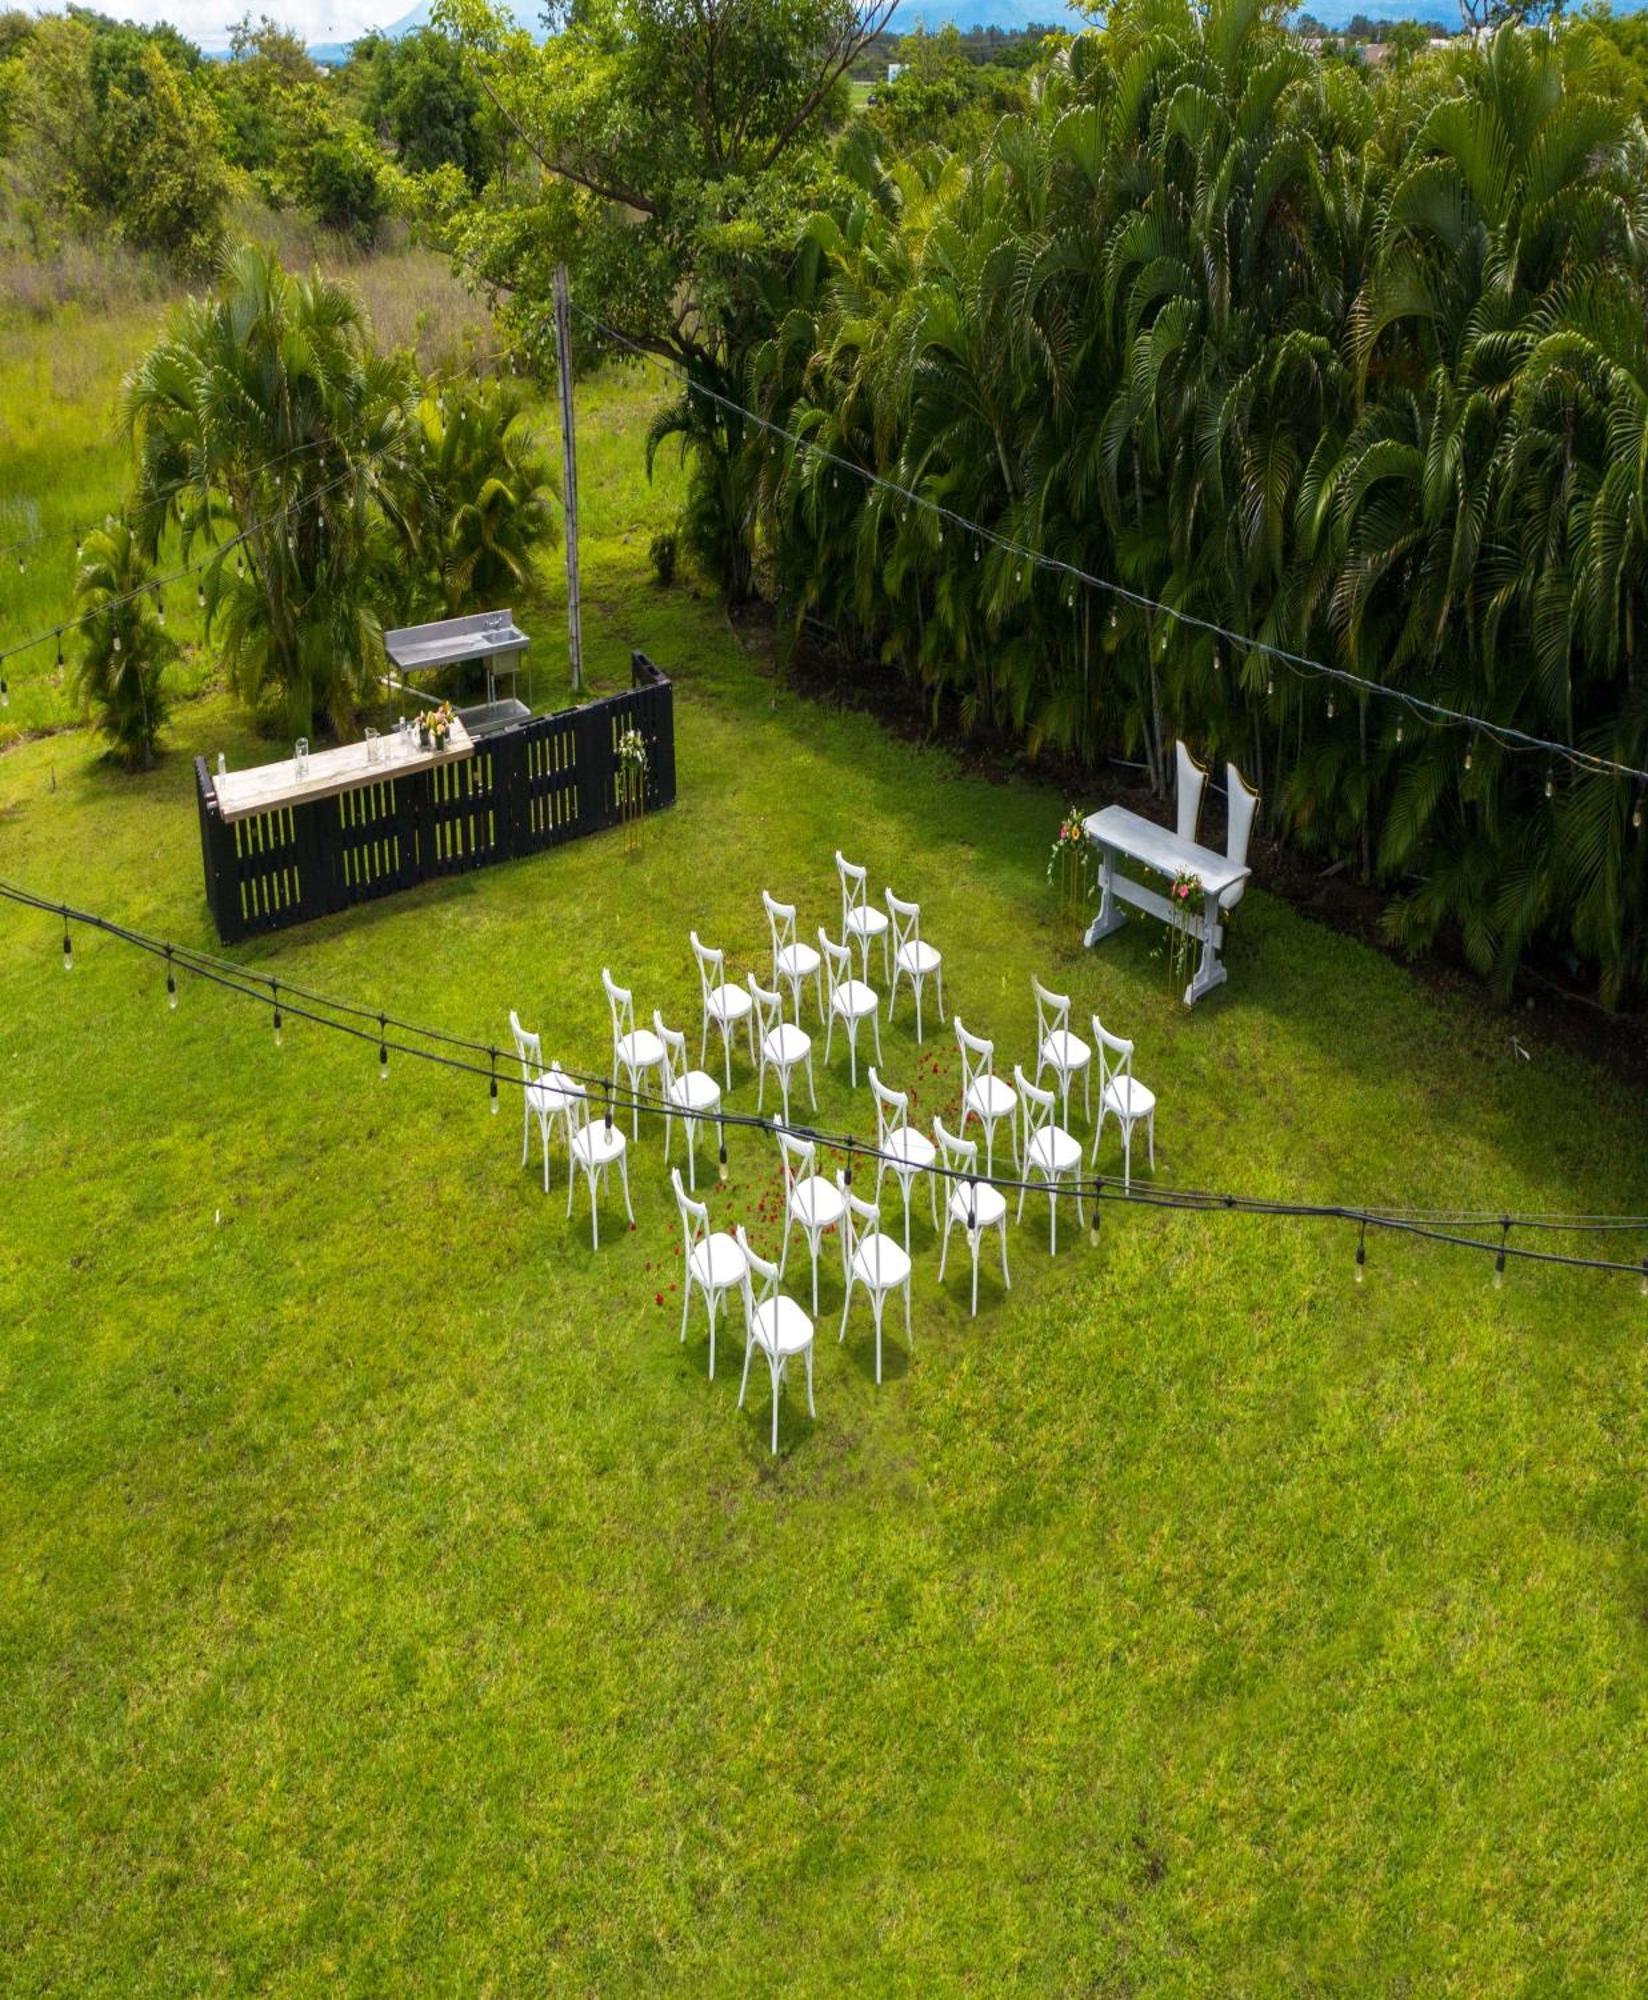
(678, 144)
(268, 427)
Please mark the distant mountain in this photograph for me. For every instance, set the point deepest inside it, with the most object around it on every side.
(1020, 14)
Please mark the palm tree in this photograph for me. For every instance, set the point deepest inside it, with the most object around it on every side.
(266, 426)
(482, 501)
(124, 646)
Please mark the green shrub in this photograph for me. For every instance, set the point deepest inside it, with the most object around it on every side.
(124, 647)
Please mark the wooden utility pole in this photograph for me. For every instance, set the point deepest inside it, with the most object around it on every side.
(569, 477)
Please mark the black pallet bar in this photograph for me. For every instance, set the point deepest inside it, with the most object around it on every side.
(543, 781)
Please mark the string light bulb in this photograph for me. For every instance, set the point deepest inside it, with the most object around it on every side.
(274, 989)
(1550, 782)
(1499, 1259)
(200, 597)
(494, 1054)
(5, 694)
(1399, 732)
(117, 642)
(171, 981)
(1093, 1223)
(1330, 704)
(721, 1169)
(383, 1051)
(1636, 810)
(1470, 750)
(1112, 618)
(68, 945)
(1361, 1253)
(1270, 686)
(1643, 1287)
(1216, 660)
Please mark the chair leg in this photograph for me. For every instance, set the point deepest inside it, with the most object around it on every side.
(917, 984)
(777, 1377)
(594, 1213)
(1087, 1091)
(938, 981)
(878, 1300)
(812, 1246)
(543, 1126)
(846, 1307)
(973, 1243)
(784, 1247)
(761, 1086)
(623, 1175)
(1150, 1132)
(726, 1049)
(691, 1124)
(1127, 1154)
(709, 1307)
(944, 1247)
(1052, 1218)
(875, 1023)
(909, 1336)
(526, 1128)
(749, 1349)
(572, 1183)
(811, 1091)
(1019, 1217)
(811, 1412)
(686, 1293)
(829, 1037)
(1006, 1281)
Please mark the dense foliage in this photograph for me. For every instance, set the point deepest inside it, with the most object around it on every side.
(1357, 368)
(264, 425)
(122, 644)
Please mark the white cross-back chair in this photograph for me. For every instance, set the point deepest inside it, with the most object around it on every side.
(1122, 1097)
(875, 1263)
(1050, 1154)
(984, 1096)
(597, 1145)
(973, 1204)
(1065, 1054)
(775, 1324)
(1243, 808)
(636, 1052)
(914, 958)
(710, 1259)
(860, 919)
(811, 1203)
(724, 1006)
(546, 1095)
(1191, 782)
(903, 1150)
(794, 963)
(781, 1046)
(693, 1095)
(851, 1001)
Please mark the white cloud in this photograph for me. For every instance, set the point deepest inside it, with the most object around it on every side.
(208, 21)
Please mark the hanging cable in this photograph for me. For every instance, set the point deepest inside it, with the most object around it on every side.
(1300, 664)
(258, 986)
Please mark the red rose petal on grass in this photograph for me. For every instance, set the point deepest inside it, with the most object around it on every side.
(660, 1298)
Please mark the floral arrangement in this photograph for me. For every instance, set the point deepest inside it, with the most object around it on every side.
(632, 784)
(1184, 896)
(1071, 856)
(435, 726)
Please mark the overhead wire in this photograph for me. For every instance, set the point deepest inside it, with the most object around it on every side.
(290, 999)
(1301, 665)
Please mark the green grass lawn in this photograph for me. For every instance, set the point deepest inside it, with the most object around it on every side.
(389, 1603)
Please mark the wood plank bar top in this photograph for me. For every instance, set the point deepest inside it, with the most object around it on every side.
(269, 787)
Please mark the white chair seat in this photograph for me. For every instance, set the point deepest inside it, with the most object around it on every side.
(729, 1003)
(1064, 1051)
(717, 1261)
(598, 1143)
(817, 1202)
(641, 1050)
(780, 1327)
(880, 1263)
(985, 1203)
(989, 1097)
(548, 1095)
(854, 1000)
(1053, 1150)
(909, 1148)
(797, 961)
(918, 958)
(787, 1043)
(1126, 1098)
(696, 1091)
(866, 921)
